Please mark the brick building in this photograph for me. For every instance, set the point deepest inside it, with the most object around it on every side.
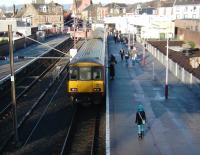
(188, 30)
(90, 13)
(79, 5)
(42, 14)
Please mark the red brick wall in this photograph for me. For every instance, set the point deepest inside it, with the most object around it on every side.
(187, 35)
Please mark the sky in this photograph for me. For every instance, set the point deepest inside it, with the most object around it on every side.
(11, 2)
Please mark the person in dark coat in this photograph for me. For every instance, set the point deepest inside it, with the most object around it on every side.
(112, 66)
(140, 120)
(127, 54)
(122, 54)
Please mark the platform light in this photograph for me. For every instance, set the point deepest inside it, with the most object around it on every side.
(169, 35)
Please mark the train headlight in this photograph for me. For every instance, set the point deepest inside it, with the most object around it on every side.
(74, 89)
(97, 89)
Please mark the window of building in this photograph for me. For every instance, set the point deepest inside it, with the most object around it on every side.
(186, 8)
(185, 16)
(196, 28)
(194, 16)
(177, 9)
(46, 19)
(111, 11)
(177, 16)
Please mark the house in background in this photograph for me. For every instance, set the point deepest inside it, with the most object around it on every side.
(79, 6)
(90, 13)
(187, 9)
(38, 15)
(188, 30)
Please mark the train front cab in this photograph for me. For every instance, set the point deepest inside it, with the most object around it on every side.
(86, 83)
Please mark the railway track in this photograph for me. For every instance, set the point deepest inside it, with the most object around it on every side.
(28, 100)
(28, 79)
(83, 132)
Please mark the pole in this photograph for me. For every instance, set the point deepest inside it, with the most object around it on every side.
(74, 24)
(167, 61)
(153, 71)
(85, 30)
(129, 40)
(25, 35)
(166, 81)
(13, 95)
(143, 55)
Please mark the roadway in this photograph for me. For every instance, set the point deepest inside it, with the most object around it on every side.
(31, 51)
(174, 123)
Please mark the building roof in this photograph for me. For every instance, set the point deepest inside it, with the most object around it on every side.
(21, 12)
(130, 8)
(9, 15)
(178, 57)
(187, 2)
(91, 6)
(147, 10)
(113, 5)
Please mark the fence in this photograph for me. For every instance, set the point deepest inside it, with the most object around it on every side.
(183, 75)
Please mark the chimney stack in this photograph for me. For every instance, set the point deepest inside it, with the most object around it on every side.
(14, 10)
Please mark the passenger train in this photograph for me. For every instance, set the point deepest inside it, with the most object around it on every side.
(86, 80)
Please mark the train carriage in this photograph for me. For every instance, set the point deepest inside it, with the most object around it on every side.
(87, 72)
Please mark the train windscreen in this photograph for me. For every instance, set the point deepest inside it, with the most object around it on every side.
(73, 74)
(97, 73)
(85, 73)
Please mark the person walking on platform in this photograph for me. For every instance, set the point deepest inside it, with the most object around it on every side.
(140, 120)
(122, 54)
(133, 55)
(112, 66)
(127, 57)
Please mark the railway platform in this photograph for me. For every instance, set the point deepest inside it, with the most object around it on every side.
(31, 51)
(173, 125)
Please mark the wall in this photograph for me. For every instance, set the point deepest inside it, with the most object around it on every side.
(4, 25)
(18, 44)
(188, 35)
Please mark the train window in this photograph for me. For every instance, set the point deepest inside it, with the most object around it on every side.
(85, 73)
(73, 73)
(97, 74)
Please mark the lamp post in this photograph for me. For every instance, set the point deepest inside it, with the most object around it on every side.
(143, 55)
(167, 71)
(25, 33)
(129, 40)
(74, 24)
(167, 61)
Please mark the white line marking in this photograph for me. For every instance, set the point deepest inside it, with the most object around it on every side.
(107, 113)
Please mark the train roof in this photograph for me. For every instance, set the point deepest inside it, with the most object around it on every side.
(92, 51)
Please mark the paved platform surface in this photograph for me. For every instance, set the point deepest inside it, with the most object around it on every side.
(32, 51)
(174, 123)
